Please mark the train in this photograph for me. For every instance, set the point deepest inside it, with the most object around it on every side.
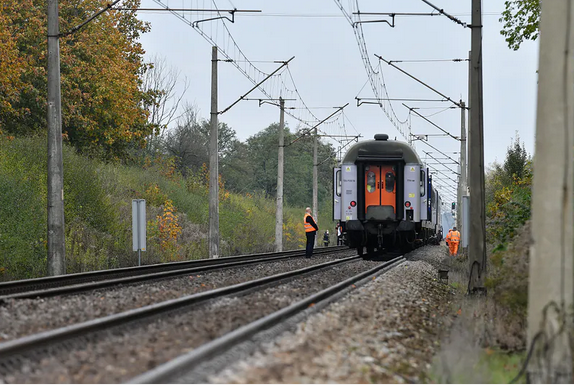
(384, 199)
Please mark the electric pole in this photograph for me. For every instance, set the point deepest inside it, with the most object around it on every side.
(315, 182)
(213, 164)
(550, 289)
(462, 177)
(280, 161)
(477, 241)
(56, 236)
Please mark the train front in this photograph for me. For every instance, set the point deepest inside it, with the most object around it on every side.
(379, 191)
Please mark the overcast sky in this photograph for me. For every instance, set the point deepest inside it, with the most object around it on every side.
(328, 70)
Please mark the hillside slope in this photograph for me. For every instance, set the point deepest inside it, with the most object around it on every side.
(98, 213)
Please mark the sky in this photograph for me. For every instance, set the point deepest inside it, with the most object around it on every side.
(328, 71)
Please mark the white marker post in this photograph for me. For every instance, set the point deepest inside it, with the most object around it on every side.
(139, 227)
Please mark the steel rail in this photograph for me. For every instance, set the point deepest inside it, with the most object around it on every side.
(184, 364)
(56, 336)
(39, 285)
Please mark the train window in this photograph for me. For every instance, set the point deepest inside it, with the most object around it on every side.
(423, 183)
(389, 182)
(338, 183)
(371, 181)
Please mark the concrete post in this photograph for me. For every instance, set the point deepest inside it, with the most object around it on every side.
(477, 241)
(462, 177)
(213, 164)
(56, 236)
(550, 290)
(280, 161)
(315, 185)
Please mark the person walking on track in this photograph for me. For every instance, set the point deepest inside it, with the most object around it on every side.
(454, 239)
(311, 229)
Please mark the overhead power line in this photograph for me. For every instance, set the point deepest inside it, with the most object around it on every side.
(442, 12)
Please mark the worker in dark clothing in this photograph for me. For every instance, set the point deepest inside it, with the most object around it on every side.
(326, 238)
(311, 229)
(339, 234)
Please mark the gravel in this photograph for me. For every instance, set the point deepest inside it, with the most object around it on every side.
(21, 317)
(385, 331)
(122, 353)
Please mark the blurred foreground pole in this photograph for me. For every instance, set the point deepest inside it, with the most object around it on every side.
(462, 176)
(213, 164)
(315, 185)
(279, 212)
(550, 291)
(56, 236)
(477, 241)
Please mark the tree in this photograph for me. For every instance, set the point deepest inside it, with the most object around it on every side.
(516, 159)
(188, 142)
(101, 67)
(298, 172)
(521, 21)
(162, 99)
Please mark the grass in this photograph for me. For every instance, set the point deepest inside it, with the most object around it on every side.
(98, 213)
(484, 366)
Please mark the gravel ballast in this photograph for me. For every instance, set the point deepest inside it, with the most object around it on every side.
(385, 331)
(21, 317)
(118, 355)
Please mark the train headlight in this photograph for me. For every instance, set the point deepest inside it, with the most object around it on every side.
(353, 203)
(407, 204)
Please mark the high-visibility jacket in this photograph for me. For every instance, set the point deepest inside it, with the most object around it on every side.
(455, 236)
(308, 226)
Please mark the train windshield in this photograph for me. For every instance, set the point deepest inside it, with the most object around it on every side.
(371, 182)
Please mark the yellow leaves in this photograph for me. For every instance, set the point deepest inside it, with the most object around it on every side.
(169, 229)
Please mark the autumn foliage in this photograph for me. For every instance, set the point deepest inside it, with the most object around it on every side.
(101, 67)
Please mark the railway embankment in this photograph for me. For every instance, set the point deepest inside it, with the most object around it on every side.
(385, 331)
(98, 198)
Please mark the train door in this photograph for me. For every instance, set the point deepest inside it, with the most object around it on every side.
(380, 192)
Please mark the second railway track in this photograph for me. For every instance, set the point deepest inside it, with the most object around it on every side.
(75, 283)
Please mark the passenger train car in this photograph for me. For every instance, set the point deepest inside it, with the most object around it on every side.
(384, 197)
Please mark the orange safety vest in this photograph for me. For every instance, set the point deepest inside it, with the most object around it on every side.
(455, 236)
(448, 235)
(308, 226)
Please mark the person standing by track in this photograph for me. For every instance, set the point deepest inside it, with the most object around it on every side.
(339, 234)
(454, 239)
(311, 229)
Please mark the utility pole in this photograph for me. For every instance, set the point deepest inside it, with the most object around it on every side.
(280, 161)
(315, 182)
(213, 164)
(477, 241)
(462, 177)
(56, 236)
(550, 289)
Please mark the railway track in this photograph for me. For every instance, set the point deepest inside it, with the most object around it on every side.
(14, 353)
(180, 368)
(76, 283)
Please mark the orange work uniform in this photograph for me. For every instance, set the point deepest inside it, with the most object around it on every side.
(454, 239)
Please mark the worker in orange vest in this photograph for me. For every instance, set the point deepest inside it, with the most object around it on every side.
(310, 231)
(454, 239)
(447, 238)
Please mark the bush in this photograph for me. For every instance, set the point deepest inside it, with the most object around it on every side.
(98, 213)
